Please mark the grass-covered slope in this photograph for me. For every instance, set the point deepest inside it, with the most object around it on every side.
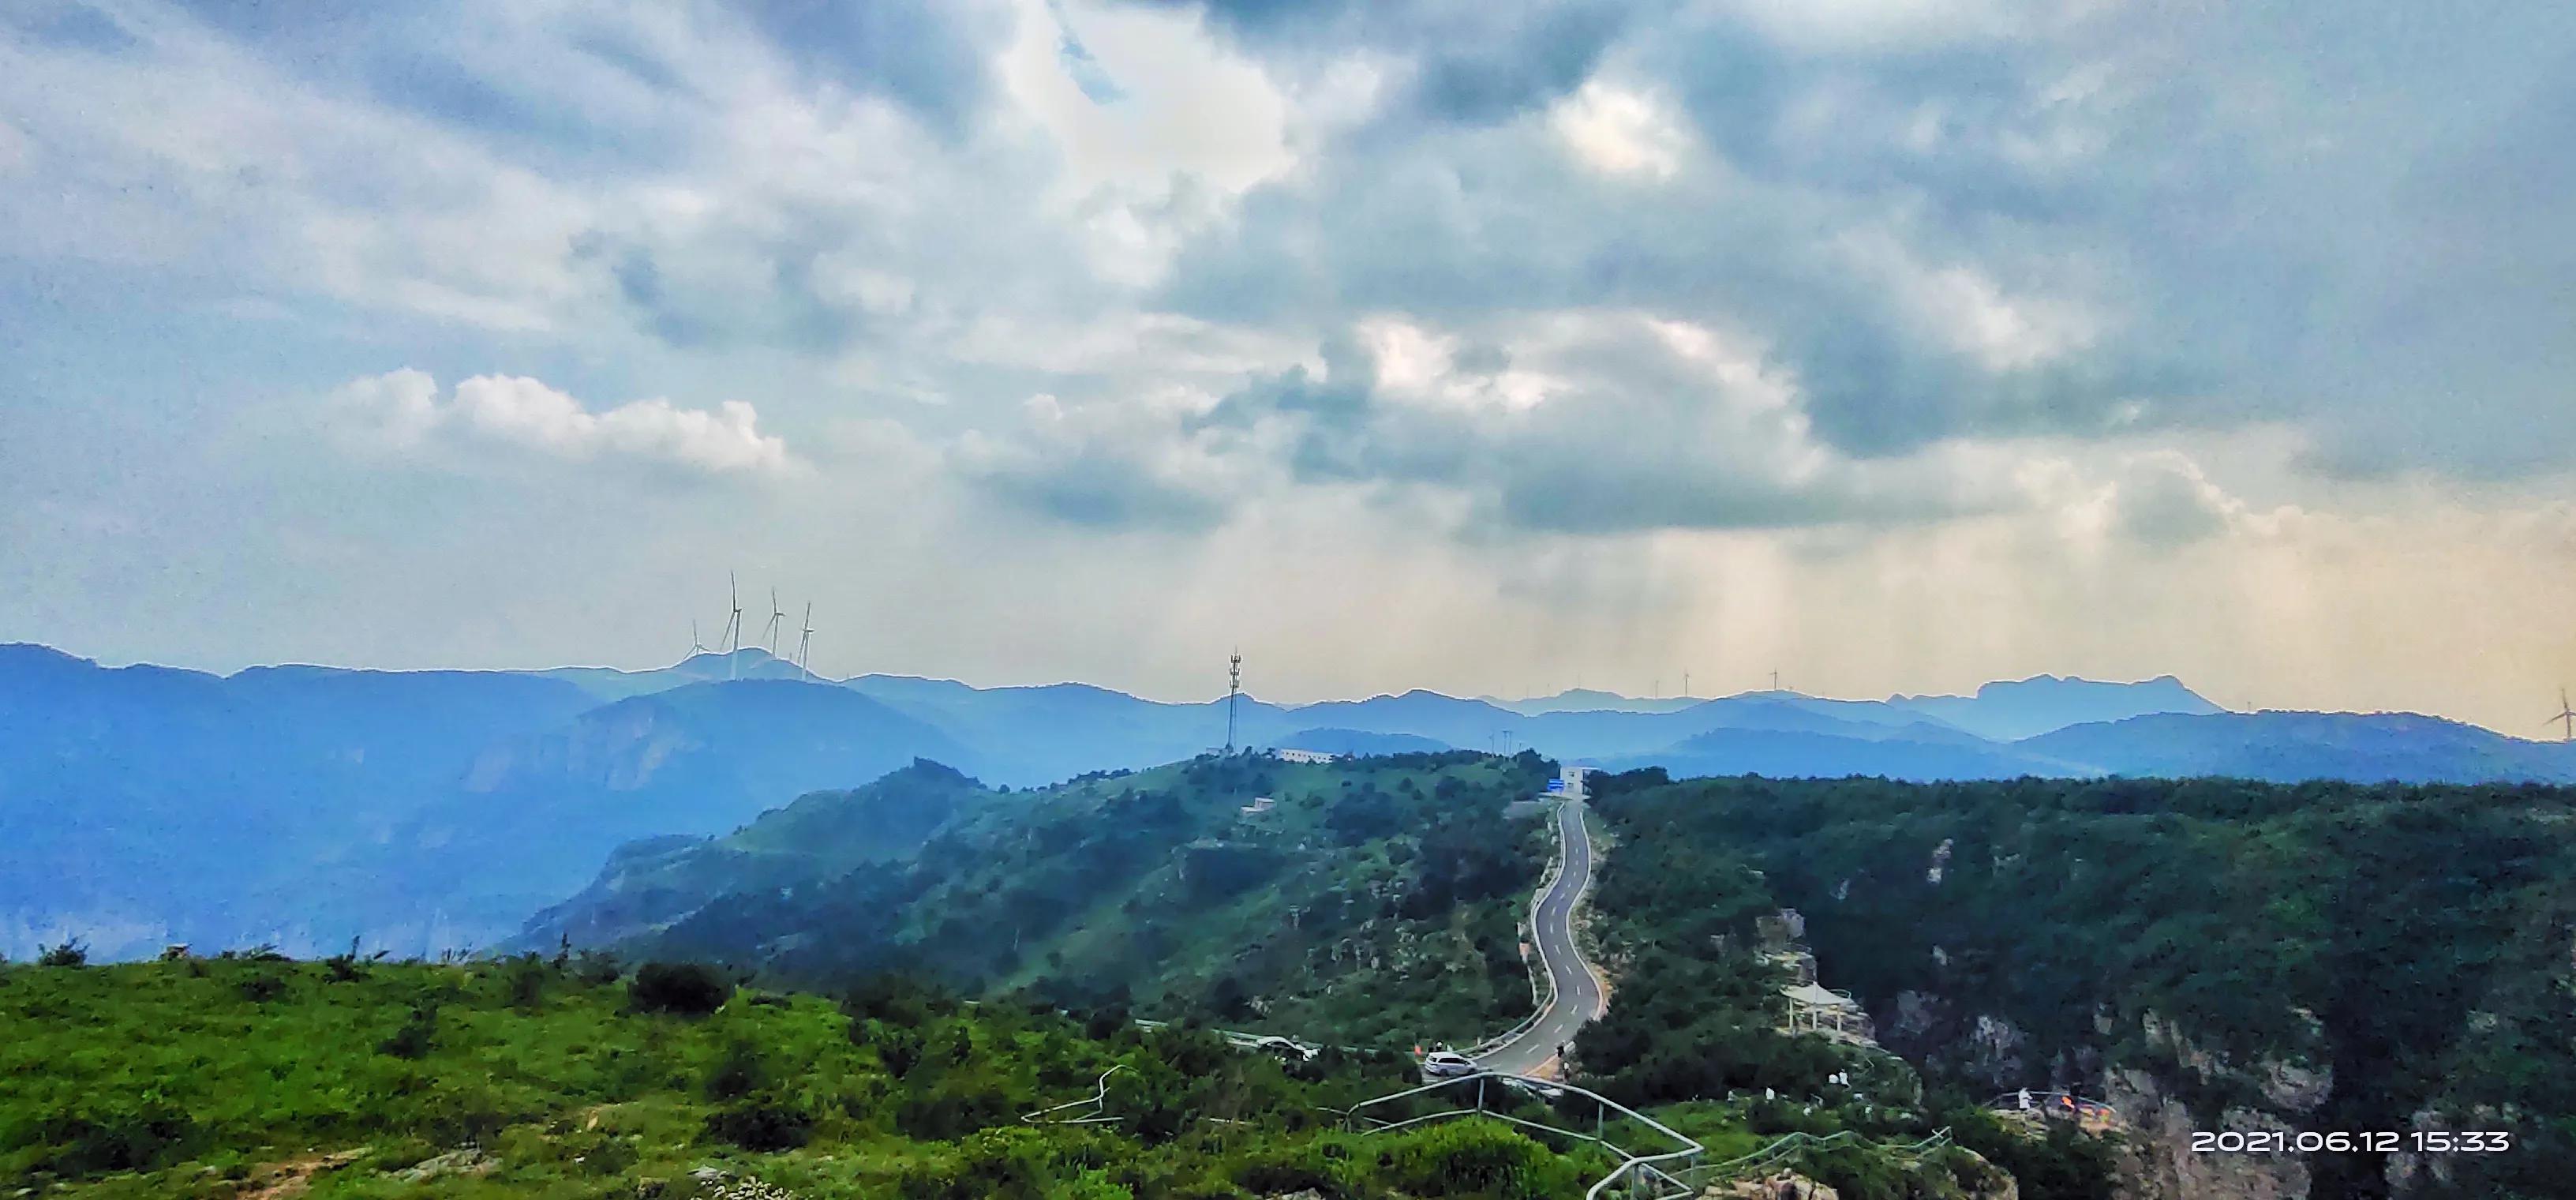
(1376, 900)
(240, 1078)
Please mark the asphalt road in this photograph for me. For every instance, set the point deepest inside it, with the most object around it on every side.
(1578, 991)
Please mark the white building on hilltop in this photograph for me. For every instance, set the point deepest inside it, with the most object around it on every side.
(1289, 754)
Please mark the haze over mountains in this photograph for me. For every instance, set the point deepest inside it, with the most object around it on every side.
(429, 810)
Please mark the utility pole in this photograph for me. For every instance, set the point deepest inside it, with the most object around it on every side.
(1233, 688)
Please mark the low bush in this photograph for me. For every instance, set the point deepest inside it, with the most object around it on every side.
(765, 1121)
(687, 989)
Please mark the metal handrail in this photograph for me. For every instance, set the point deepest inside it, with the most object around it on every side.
(1643, 1166)
(2042, 1103)
(1788, 1144)
(1098, 1100)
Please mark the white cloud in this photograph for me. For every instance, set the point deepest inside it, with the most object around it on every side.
(1619, 132)
(405, 410)
(1186, 126)
(1186, 105)
(1964, 307)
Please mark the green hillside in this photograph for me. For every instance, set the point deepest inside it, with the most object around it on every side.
(243, 1078)
(1371, 901)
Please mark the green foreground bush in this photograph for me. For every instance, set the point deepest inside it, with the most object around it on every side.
(176, 1079)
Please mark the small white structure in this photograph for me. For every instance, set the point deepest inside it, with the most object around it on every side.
(1814, 1009)
(1259, 805)
(1291, 754)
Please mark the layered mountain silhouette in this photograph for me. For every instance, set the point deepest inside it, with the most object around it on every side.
(429, 810)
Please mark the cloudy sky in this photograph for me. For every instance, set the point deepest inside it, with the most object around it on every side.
(1894, 346)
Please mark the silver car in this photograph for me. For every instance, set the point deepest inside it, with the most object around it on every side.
(1447, 1064)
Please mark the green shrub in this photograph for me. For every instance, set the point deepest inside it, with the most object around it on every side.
(595, 968)
(764, 1121)
(952, 1109)
(688, 989)
(260, 987)
(1477, 1158)
(110, 1136)
(739, 1071)
(467, 1112)
(1285, 1172)
(527, 979)
(899, 1049)
(415, 1038)
(71, 953)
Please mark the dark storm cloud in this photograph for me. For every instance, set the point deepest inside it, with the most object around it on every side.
(1100, 488)
(788, 309)
(72, 26)
(2373, 248)
(1338, 398)
(1472, 61)
(927, 53)
(1430, 230)
(1639, 439)
(1524, 68)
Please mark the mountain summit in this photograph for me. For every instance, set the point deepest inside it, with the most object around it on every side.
(2008, 711)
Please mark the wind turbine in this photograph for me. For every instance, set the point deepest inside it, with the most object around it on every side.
(805, 643)
(696, 647)
(2565, 714)
(776, 614)
(733, 628)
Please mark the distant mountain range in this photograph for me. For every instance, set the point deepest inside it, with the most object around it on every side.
(424, 810)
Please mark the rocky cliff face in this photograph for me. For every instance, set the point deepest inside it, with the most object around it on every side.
(618, 748)
(2156, 1157)
(2156, 1122)
(2160, 1163)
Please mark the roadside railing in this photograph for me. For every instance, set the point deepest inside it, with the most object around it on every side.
(2056, 1105)
(1633, 1166)
(1098, 1100)
(1779, 1152)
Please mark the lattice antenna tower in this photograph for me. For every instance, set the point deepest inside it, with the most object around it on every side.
(1233, 689)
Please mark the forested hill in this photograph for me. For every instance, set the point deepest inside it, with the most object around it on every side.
(1366, 899)
(2208, 954)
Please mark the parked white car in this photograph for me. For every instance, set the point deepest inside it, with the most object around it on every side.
(1288, 1051)
(1447, 1064)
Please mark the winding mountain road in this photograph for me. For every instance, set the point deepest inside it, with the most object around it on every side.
(1576, 995)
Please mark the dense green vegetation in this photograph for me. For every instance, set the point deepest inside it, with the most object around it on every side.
(1698, 1014)
(224, 1077)
(2404, 949)
(1374, 901)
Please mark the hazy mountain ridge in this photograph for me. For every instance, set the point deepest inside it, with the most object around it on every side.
(2289, 747)
(304, 806)
(424, 810)
(2010, 710)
